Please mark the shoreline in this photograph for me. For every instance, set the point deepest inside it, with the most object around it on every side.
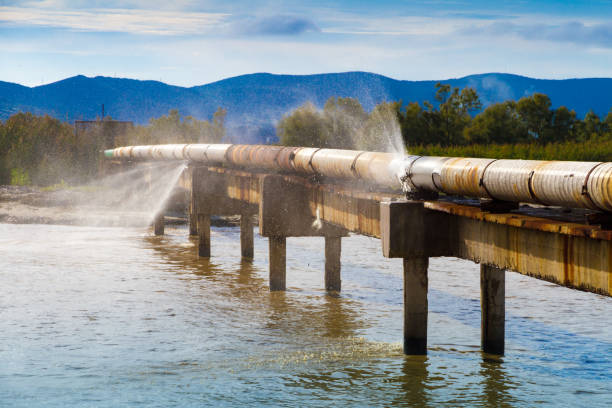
(73, 206)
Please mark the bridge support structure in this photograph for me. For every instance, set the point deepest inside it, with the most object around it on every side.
(325, 192)
(284, 213)
(415, 305)
(193, 212)
(278, 263)
(570, 254)
(209, 198)
(203, 235)
(159, 223)
(493, 309)
(247, 247)
(411, 232)
(333, 251)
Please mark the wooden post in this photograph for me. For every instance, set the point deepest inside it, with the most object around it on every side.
(278, 264)
(493, 308)
(204, 235)
(246, 236)
(158, 224)
(333, 246)
(415, 305)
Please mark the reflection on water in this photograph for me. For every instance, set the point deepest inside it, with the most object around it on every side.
(115, 317)
(497, 390)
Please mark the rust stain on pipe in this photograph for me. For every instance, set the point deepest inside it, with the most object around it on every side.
(566, 184)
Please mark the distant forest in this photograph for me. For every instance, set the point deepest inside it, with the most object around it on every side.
(454, 125)
(43, 151)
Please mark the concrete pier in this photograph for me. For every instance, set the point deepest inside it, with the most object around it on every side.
(493, 309)
(204, 235)
(193, 211)
(246, 236)
(404, 235)
(284, 213)
(333, 247)
(278, 263)
(568, 252)
(158, 224)
(415, 305)
(193, 217)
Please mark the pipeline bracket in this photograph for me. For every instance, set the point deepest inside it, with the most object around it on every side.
(497, 206)
(604, 220)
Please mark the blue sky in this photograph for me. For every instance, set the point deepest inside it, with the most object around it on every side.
(189, 43)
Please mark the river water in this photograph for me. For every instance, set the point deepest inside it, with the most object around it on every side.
(109, 317)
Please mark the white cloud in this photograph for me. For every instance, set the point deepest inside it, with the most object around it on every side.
(279, 25)
(573, 32)
(199, 47)
(135, 21)
(390, 25)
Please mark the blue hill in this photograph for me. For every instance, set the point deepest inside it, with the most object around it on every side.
(255, 102)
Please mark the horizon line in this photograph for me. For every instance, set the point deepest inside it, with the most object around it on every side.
(303, 75)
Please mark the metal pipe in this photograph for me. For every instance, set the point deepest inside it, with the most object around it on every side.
(566, 184)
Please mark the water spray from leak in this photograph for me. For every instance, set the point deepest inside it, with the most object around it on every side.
(128, 198)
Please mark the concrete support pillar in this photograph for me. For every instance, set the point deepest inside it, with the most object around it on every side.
(246, 236)
(158, 224)
(333, 246)
(193, 215)
(204, 235)
(493, 308)
(415, 305)
(278, 263)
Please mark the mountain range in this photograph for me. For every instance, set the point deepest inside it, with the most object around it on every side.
(255, 102)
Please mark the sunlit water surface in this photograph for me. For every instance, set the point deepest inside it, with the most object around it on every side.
(109, 317)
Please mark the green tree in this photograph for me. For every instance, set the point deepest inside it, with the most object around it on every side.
(218, 128)
(175, 128)
(607, 126)
(536, 115)
(455, 108)
(305, 126)
(41, 150)
(415, 125)
(343, 119)
(562, 126)
(590, 127)
(498, 123)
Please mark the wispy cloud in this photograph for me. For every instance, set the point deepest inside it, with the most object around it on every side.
(392, 25)
(275, 25)
(477, 16)
(567, 32)
(135, 21)
(101, 4)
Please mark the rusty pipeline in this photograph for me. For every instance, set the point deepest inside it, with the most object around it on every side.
(557, 183)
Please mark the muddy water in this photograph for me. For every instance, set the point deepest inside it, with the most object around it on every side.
(108, 317)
